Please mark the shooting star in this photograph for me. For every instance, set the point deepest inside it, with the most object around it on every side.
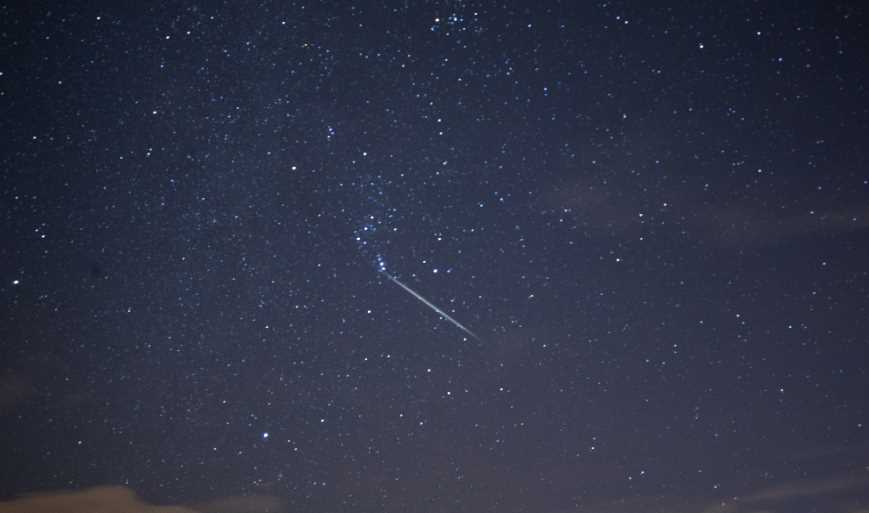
(428, 303)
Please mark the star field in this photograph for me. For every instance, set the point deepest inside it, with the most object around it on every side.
(225, 226)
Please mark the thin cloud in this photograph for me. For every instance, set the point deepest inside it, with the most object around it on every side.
(120, 499)
(601, 208)
(840, 494)
(809, 488)
(246, 504)
(745, 226)
(15, 388)
(103, 499)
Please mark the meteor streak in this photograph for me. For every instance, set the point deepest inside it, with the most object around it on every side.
(430, 305)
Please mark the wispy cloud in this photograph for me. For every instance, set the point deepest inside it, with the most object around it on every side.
(103, 499)
(246, 504)
(845, 493)
(115, 499)
(15, 387)
(839, 494)
(739, 225)
(600, 207)
(808, 488)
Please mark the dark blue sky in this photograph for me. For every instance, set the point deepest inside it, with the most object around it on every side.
(654, 218)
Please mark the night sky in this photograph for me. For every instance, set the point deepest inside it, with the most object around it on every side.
(432, 257)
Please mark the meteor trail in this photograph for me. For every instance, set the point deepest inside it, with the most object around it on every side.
(430, 305)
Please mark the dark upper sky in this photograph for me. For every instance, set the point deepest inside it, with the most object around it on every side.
(230, 231)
